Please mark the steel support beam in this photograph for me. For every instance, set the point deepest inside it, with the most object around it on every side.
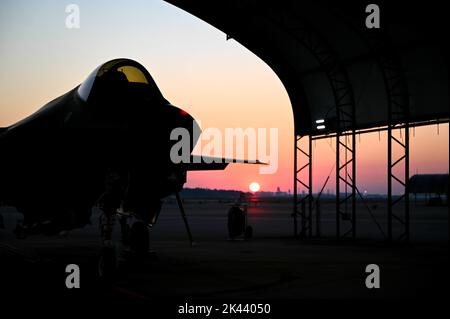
(398, 119)
(393, 178)
(383, 128)
(345, 177)
(344, 105)
(303, 203)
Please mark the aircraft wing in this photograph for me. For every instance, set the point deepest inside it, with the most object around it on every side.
(208, 163)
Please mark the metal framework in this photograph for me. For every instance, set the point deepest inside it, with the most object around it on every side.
(348, 196)
(303, 204)
(398, 107)
(398, 119)
(344, 121)
(398, 115)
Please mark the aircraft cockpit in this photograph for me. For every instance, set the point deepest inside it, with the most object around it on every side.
(119, 80)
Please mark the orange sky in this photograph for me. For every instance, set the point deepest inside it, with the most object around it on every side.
(219, 82)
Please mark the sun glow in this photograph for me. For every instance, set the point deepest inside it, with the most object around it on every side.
(254, 187)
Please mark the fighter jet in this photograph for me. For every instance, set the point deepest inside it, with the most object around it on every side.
(106, 142)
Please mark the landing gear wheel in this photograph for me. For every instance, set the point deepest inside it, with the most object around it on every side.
(139, 239)
(107, 263)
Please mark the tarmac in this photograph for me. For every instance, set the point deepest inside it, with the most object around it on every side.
(273, 265)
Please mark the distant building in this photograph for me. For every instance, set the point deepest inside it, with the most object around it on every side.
(429, 184)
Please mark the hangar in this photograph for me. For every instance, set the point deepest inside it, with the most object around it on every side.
(344, 79)
(429, 184)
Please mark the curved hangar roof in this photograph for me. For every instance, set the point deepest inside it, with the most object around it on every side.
(333, 67)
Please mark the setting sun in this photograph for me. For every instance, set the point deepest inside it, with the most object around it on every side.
(254, 187)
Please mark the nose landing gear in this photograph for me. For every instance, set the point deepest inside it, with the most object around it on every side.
(134, 244)
(134, 238)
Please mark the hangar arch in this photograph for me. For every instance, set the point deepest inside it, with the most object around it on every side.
(347, 78)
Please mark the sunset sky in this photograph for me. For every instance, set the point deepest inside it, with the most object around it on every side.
(219, 82)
